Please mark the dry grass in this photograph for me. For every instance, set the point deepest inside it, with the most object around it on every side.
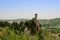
(0, 34)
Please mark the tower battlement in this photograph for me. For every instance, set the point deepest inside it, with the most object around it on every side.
(35, 16)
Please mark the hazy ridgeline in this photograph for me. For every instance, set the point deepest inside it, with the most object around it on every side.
(16, 31)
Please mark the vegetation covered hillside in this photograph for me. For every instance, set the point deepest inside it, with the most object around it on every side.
(26, 30)
(51, 22)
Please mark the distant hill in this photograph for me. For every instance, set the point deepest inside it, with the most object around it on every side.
(13, 20)
(51, 22)
(43, 22)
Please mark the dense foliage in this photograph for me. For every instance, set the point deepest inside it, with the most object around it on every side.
(15, 31)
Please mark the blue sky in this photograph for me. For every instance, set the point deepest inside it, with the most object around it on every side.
(17, 9)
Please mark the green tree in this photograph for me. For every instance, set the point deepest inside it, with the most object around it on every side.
(15, 26)
(22, 26)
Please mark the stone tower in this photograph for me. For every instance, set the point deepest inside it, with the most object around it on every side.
(38, 26)
(34, 25)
